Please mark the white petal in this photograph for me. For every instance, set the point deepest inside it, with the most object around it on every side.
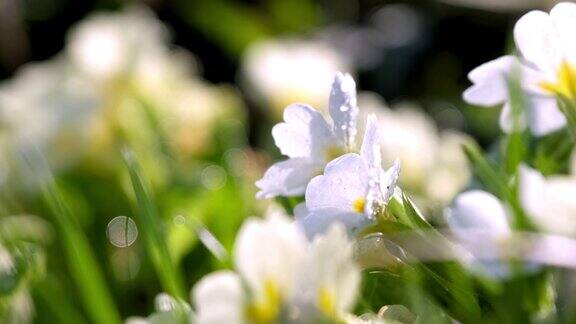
(318, 222)
(345, 180)
(304, 133)
(287, 178)
(343, 108)
(559, 216)
(532, 191)
(331, 268)
(219, 298)
(506, 122)
(478, 210)
(370, 149)
(490, 80)
(564, 17)
(537, 39)
(389, 181)
(544, 117)
(270, 250)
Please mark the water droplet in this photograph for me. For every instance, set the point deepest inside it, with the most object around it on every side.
(122, 231)
(213, 177)
(344, 108)
(179, 220)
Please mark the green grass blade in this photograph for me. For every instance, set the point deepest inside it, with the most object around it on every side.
(151, 225)
(493, 180)
(84, 268)
(515, 148)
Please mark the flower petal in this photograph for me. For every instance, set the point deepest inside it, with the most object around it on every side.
(318, 222)
(389, 181)
(304, 133)
(219, 298)
(564, 17)
(345, 180)
(544, 117)
(537, 39)
(490, 80)
(286, 178)
(478, 210)
(371, 150)
(270, 251)
(332, 269)
(343, 108)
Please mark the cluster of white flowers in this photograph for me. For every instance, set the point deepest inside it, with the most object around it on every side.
(281, 276)
(545, 69)
(341, 180)
(115, 69)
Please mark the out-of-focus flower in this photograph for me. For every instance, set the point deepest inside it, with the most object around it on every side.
(310, 141)
(281, 277)
(435, 167)
(45, 107)
(482, 211)
(353, 190)
(118, 82)
(108, 45)
(128, 56)
(546, 70)
(282, 72)
(549, 201)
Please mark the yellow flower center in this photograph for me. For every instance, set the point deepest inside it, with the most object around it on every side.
(358, 205)
(265, 310)
(326, 302)
(565, 84)
(333, 152)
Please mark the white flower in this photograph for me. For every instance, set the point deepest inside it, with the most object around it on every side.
(280, 72)
(352, 190)
(549, 202)
(480, 221)
(282, 277)
(105, 45)
(45, 106)
(546, 69)
(310, 141)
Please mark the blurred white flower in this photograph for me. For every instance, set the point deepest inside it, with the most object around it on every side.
(106, 45)
(281, 277)
(549, 202)
(45, 106)
(310, 141)
(481, 211)
(353, 190)
(280, 72)
(434, 165)
(546, 70)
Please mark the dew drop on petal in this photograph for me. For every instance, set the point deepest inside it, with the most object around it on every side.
(344, 108)
(122, 231)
